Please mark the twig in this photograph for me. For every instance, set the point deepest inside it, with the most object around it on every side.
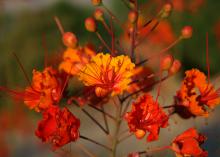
(112, 15)
(106, 26)
(124, 138)
(107, 114)
(85, 150)
(95, 142)
(126, 108)
(92, 118)
(95, 121)
(103, 41)
(105, 119)
(154, 150)
(169, 106)
(146, 87)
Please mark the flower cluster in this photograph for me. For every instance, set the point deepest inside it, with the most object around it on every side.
(121, 78)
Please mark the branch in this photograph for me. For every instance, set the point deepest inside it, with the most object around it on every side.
(95, 142)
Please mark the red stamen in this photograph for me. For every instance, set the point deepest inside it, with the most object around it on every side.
(23, 70)
(207, 56)
(45, 50)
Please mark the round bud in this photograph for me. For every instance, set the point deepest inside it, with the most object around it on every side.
(96, 2)
(175, 67)
(166, 62)
(70, 40)
(98, 14)
(187, 32)
(168, 7)
(165, 12)
(140, 133)
(90, 24)
(131, 3)
(132, 16)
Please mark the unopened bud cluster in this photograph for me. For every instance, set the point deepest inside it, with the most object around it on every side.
(168, 63)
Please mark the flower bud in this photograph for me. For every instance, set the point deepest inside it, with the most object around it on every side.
(98, 14)
(131, 3)
(187, 32)
(140, 133)
(175, 67)
(167, 8)
(166, 62)
(130, 31)
(70, 40)
(96, 2)
(90, 24)
(132, 16)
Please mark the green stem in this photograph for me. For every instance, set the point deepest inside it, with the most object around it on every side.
(117, 129)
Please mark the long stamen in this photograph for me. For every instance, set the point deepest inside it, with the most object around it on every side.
(161, 52)
(148, 33)
(23, 70)
(207, 56)
(91, 76)
(66, 81)
(59, 25)
(45, 50)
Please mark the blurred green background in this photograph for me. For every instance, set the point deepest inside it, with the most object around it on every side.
(27, 28)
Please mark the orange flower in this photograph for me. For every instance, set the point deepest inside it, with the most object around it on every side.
(146, 116)
(188, 144)
(196, 94)
(58, 127)
(75, 59)
(107, 74)
(44, 91)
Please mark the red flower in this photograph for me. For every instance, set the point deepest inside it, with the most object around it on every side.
(188, 144)
(146, 116)
(58, 127)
